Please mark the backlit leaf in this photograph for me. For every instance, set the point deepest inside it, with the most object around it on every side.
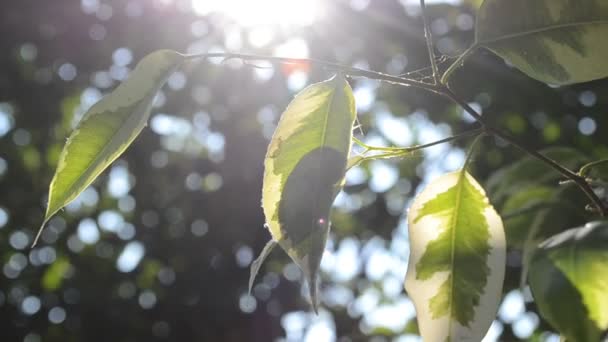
(457, 262)
(569, 283)
(304, 167)
(554, 41)
(107, 129)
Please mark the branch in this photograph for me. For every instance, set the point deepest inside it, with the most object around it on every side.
(349, 71)
(435, 88)
(418, 147)
(574, 177)
(429, 42)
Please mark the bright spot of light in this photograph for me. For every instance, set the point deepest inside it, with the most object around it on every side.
(524, 327)
(293, 48)
(321, 329)
(249, 13)
(587, 126)
(297, 81)
(384, 176)
(512, 307)
(365, 95)
(396, 129)
(390, 316)
(130, 256)
(88, 232)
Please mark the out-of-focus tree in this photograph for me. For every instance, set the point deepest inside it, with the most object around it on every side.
(159, 247)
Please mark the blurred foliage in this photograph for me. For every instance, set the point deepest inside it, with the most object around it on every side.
(185, 197)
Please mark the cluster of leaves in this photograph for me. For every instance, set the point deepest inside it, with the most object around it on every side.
(458, 240)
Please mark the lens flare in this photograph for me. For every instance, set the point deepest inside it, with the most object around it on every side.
(251, 14)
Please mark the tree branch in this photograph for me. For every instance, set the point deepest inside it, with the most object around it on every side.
(574, 177)
(429, 43)
(350, 71)
(439, 88)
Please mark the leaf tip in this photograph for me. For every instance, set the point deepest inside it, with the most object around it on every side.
(257, 263)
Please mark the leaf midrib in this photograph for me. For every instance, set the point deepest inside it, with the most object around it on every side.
(540, 30)
(330, 103)
(453, 225)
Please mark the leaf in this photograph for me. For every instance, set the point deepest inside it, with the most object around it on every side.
(257, 263)
(304, 167)
(527, 172)
(554, 41)
(107, 129)
(457, 262)
(572, 268)
(520, 210)
(562, 209)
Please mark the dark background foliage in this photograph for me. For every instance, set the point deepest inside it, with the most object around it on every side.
(188, 191)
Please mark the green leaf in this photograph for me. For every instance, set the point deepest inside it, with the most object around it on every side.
(520, 210)
(542, 210)
(304, 167)
(554, 41)
(457, 262)
(107, 129)
(569, 283)
(562, 209)
(527, 172)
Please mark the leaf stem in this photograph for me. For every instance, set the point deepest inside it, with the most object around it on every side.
(472, 151)
(414, 148)
(457, 64)
(584, 170)
(396, 152)
(428, 35)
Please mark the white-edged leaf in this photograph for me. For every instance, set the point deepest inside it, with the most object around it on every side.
(569, 280)
(304, 167)
(457, 260)
(554, 41)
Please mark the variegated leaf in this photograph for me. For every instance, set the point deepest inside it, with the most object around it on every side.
(304, 167)
(107, 129)
(554, 41)
(568, 278)
(457, 262)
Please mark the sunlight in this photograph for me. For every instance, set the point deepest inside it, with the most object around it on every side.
(250, 14)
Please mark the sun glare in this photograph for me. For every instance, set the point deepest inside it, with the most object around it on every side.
(256, 13)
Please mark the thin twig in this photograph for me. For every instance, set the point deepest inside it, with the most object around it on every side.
(429, 43)
(578, 180)
(585, 169)
(410, 149)
(350, 71)
(457, 64)
(396, 152)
